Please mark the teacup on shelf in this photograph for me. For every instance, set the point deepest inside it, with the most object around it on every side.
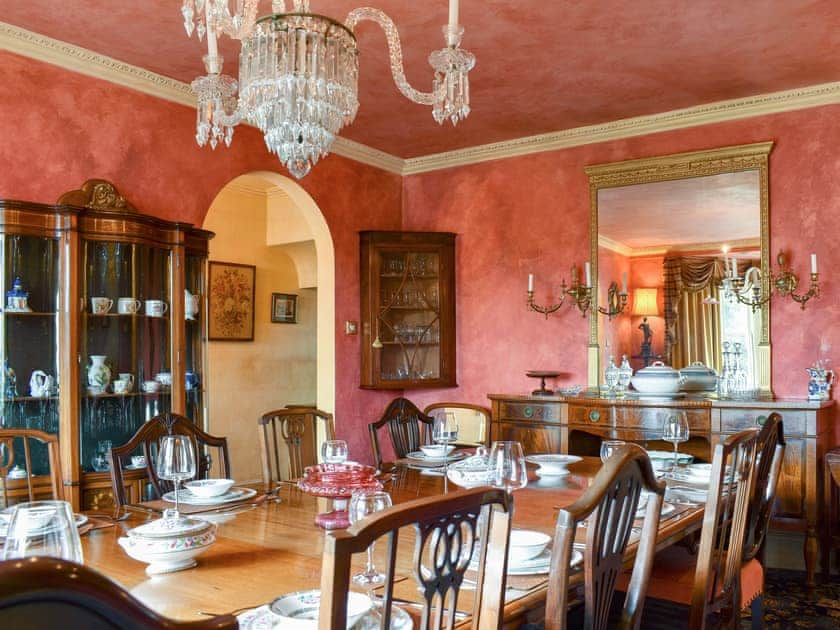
(121, 387)
(128, 306)
(95, 390)
(151, 387)
(100, 305)
(164, 378)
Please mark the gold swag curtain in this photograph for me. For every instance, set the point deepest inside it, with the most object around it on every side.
(692, 327)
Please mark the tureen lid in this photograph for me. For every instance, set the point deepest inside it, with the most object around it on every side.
(658, 369)
(17, 290)
(170, 528)
(698, 369)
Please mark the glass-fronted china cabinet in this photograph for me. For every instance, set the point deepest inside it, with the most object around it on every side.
(102, 328)
(408, 309)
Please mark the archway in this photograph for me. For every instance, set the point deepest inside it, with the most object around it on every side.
(266, 219)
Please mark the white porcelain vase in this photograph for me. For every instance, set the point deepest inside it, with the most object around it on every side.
(99, 374)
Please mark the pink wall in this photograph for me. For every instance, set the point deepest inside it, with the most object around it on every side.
(530, 214)
(60, 128)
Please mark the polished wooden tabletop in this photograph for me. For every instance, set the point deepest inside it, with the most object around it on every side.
(275, 547)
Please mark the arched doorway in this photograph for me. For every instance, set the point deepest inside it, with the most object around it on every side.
(267, 220)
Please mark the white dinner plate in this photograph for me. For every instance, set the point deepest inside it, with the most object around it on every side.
(667, 508)
(420, 456)
(6, 515)
(538, 565)
(263, 619)
(188, 498)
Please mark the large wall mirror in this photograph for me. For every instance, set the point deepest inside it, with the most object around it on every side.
(666, 227)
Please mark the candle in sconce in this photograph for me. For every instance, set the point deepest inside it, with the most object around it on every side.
(530, 283)
(624, 282)
(587, 272)
(813, 263)
(734, 267)
(453, 22)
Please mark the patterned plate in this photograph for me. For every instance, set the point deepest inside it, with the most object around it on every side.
(420, 456)
(263, 619)
(188, 498)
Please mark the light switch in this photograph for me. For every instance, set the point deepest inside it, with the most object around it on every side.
(351, 328)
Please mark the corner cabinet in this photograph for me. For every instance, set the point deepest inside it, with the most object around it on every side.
(408, 310)
(110, 319)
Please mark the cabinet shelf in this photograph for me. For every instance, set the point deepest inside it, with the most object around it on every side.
(30, 313)
(127, 316)
(404, 306)
(30, 398)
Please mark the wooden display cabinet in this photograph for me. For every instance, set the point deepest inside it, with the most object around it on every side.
(408, 310)
(94, 244)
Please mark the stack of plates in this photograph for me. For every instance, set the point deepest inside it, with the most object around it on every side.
(188, 498)
(419, 457)
(667, 508)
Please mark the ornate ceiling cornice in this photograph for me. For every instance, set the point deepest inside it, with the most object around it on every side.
(84, 61)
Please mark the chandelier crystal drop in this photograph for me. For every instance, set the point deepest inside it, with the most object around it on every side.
(299, 74)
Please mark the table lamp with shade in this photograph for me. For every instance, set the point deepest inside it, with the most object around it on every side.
(645, 305)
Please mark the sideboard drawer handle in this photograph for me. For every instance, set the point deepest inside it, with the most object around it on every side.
(594, 415)
(528, 412)
(760, 420)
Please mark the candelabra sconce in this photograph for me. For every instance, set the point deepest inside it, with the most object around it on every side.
(749, 290)
(582, 295)
(616, 302)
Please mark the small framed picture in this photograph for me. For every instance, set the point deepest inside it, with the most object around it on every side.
(283, 308)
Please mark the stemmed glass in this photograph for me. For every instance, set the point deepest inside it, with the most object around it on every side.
(176, 463)
(445, 431)
(363, 504)
(43, 528)
(507, 466)
(675, 431)
(609, 447)
(334, 451)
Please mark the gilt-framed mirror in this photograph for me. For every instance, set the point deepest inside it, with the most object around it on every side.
(668, 225)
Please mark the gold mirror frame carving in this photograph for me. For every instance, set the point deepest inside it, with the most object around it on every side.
(745, 157)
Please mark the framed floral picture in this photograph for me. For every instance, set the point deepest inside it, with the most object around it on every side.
(284, 308)
(231, 297)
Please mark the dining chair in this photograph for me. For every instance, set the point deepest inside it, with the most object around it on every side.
(144, 442)
(46, 593)
(609, 509)
(473, 420)
(297, 429)
(408, 428)
(708, 590)
(446, 529)
(25, 440)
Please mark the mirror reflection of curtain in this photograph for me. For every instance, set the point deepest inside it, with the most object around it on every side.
(692, 315)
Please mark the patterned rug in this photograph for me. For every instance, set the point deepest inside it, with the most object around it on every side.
(788, 604)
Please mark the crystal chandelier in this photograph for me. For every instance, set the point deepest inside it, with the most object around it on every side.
(299, 72)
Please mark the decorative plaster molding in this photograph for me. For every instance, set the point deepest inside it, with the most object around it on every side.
(735, 247)
(84, 61)
(721, 111)
(614, 246)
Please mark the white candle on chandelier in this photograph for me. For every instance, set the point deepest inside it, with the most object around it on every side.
(530, 283)
(452, 30)
(813, 263)
(587, 271)
(624, 282)
(734, 267)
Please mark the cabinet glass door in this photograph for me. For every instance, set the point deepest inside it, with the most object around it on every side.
(408, 322)
(194, 278)
(125, 344)
(29, 352)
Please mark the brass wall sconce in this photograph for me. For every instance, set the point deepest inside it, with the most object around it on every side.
(616, 301)
(581, 294)
(748, 289)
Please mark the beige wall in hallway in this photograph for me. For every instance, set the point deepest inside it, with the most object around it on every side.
(279, 366)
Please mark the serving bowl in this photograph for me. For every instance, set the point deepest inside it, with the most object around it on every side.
(168, 545)
(552, 463)
(657, 379)
(437, 450)
(206, 488)
(471, 472)
(300, 609)
(698, 378)
(526, 544)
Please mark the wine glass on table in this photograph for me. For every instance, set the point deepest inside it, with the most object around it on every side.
(364, 504)
(675, 431)
(445, 432)
(609, 447)
(43, 528)
(507, 466)
(176, 463)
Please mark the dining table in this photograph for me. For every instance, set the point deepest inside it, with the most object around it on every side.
(271, 546)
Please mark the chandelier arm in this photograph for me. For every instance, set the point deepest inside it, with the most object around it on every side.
(394, 51)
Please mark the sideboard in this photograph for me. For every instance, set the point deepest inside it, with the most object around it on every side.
(577, 424)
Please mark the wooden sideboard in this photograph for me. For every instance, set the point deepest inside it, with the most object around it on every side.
(577, 424)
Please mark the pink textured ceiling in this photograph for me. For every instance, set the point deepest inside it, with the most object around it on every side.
(542, 66)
